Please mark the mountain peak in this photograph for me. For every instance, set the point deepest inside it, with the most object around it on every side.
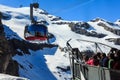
(97, 20)
(118, 22)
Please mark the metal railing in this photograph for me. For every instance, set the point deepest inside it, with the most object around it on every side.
(81, 71)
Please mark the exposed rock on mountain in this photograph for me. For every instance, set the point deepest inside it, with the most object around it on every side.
(85, 29)
(97, 19)
(109, 26)
(6, 52)
(118, 22)
(115, 31)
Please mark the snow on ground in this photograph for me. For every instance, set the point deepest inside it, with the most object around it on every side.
(34, 66)
(8, 77)
(60, 59)
(42, 64)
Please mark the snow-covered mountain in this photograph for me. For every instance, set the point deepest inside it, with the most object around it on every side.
(49, 63)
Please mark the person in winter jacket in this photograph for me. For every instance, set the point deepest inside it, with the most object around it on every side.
(111, 61)
(93, 61)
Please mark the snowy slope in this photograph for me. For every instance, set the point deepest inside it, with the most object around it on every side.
(8, 77)
(44, 64)
(39, 65)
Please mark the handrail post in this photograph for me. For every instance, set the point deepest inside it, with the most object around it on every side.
(73, 76)
(96, 47)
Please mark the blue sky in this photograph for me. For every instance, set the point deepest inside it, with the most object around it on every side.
(80, 10)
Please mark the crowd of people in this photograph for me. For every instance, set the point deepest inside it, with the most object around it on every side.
(111, 60)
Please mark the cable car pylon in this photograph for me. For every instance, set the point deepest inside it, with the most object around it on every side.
(36, 31)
